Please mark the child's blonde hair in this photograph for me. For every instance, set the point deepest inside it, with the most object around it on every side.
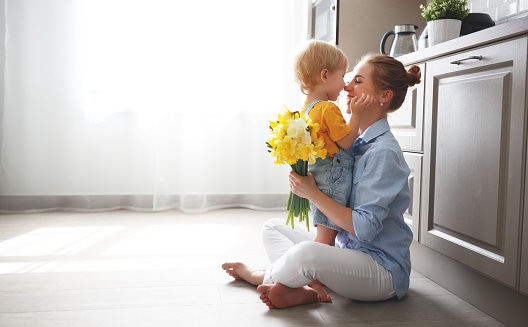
(317, 55)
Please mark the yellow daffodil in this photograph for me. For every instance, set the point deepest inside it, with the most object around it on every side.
(295, 141)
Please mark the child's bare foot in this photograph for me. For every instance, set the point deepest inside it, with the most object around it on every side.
(278, 296)
(240, 271)
(322, 295)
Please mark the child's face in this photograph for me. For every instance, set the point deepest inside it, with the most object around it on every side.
(335, 83)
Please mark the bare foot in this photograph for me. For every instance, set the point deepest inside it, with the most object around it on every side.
(278, 296)
(322, 295)
(240, 271)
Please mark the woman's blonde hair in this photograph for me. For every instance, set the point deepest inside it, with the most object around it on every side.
(315, 57)
(390, 74)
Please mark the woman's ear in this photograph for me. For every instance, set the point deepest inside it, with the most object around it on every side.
(386, 96)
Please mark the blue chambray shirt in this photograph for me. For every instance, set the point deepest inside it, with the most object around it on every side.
(380, 195)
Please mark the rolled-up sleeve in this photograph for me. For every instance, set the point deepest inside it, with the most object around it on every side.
(376, 183)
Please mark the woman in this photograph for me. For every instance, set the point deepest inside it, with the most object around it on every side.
(371, 260)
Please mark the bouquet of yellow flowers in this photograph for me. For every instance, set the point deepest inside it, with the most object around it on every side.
(295, 141)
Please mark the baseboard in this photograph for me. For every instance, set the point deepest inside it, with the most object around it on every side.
(189, 203)
(493, 298)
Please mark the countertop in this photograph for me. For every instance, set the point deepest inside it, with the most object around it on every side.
(503, 31)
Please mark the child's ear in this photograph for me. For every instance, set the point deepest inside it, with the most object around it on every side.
(324, 75)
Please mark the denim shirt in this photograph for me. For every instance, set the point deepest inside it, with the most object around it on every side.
(380, 196)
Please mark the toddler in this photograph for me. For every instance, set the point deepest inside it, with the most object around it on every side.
(320, 70)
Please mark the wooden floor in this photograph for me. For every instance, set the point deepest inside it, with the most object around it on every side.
(163, 269)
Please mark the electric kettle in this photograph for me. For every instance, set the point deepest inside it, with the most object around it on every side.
(404, 40)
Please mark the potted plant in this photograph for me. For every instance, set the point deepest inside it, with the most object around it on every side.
(444, 19)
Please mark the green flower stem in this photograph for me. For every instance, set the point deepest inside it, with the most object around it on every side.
(297, 206)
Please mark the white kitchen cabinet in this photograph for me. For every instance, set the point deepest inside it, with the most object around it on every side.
(474, 158)
(523, 288)
(407, 122)
(412, 215)
(473, 237)
(407, 126)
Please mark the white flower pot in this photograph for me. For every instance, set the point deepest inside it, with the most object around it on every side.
(443, 30)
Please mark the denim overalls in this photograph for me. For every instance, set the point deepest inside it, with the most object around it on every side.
(333, 177)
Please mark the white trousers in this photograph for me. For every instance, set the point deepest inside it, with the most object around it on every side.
(297, 260)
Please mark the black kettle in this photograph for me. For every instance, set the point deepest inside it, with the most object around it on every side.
(404, 40)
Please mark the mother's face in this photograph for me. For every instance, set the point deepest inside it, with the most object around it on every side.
(362, 81)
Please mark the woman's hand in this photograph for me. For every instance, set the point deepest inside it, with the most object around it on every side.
(359, 105)
(303, 186)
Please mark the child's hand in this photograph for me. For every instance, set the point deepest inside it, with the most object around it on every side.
(359, 105)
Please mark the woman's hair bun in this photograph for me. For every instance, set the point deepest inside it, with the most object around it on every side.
(414, 75)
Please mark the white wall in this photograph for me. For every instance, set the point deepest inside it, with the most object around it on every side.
(2, 67)
(500, 10)
(362, 23)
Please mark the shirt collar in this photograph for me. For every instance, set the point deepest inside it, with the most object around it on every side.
(376, 129)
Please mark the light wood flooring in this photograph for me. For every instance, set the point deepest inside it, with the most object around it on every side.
(125, 268)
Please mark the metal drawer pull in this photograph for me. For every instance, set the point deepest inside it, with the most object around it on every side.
(458, 62)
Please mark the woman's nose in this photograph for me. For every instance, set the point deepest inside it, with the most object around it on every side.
(348, 87)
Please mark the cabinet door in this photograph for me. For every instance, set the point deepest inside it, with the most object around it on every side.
(524, 253)
(407, 122)
(412, 215)
(473, 160)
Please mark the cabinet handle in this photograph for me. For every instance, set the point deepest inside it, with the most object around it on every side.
(458, 62)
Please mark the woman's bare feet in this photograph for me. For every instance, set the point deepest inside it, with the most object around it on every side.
(240, 271)
(322, 295)
(278, 296)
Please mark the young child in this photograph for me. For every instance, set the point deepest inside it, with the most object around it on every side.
(320, 70)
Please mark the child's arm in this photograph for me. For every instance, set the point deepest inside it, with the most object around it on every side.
(357, 107)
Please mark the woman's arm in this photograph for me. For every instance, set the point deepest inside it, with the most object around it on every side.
(356, 107)
(304, 186)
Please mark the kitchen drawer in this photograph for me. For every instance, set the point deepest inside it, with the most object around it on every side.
(407, 122)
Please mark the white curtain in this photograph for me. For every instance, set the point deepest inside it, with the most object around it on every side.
(145, 104)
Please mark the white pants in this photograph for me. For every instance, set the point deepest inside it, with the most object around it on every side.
(297, 260)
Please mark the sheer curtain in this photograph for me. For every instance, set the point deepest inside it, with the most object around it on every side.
(145, 104)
